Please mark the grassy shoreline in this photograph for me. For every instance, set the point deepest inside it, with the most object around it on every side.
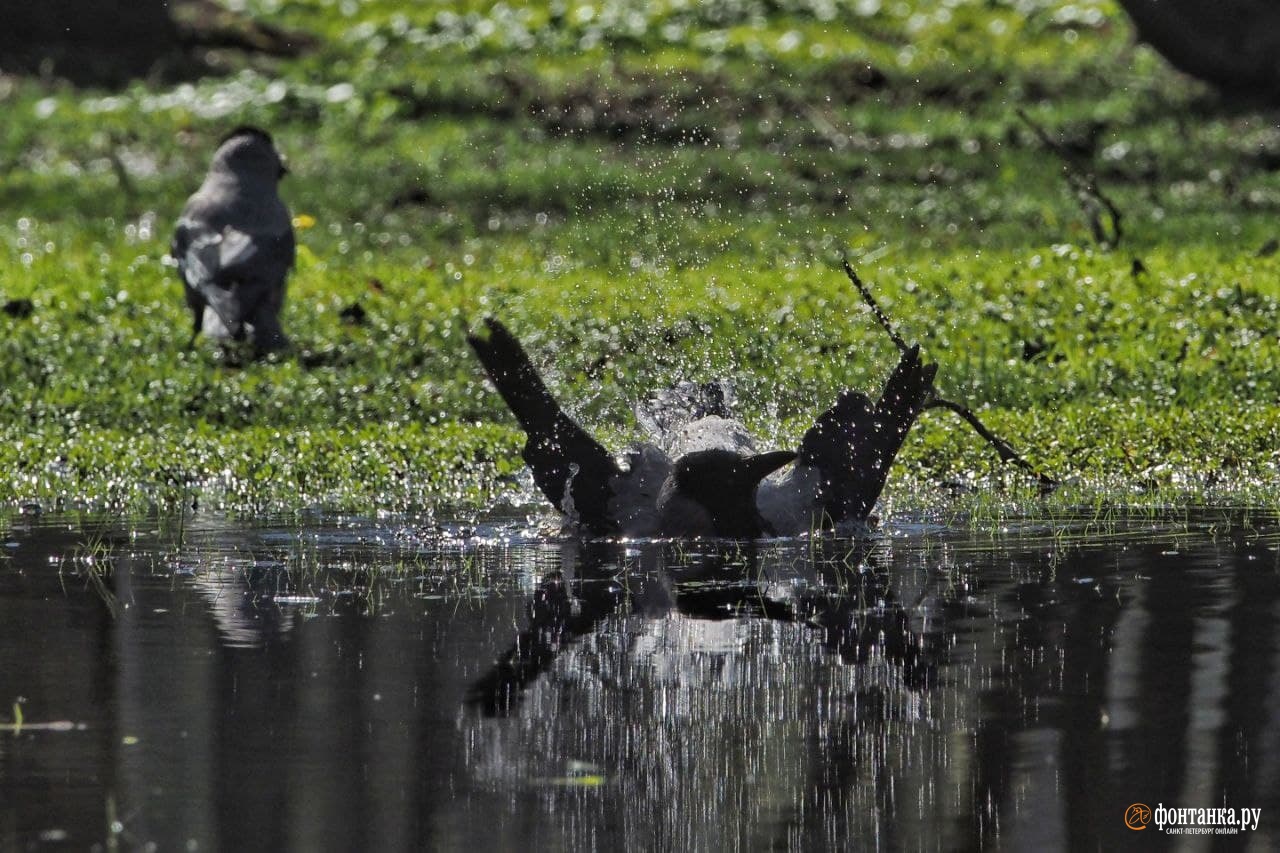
(645, 193)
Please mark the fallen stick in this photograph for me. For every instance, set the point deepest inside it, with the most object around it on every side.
(937, 401)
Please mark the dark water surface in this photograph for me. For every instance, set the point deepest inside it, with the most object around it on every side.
(333, 683)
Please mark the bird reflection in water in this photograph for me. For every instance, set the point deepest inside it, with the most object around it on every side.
(847, 603)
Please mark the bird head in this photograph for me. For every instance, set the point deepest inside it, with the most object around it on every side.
(249, 153)
(719, 486)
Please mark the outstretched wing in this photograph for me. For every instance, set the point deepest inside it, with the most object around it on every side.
(571, 468)
(853, 444)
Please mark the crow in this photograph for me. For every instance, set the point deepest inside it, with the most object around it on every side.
(706, 479)
(234, 244)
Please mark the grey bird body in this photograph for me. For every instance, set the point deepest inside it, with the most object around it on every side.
(704, 477)
(234, 244)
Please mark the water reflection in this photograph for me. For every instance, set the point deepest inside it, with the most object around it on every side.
(336, 683)
(707, 693)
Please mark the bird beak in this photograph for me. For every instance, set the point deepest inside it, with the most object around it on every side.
(763, 464)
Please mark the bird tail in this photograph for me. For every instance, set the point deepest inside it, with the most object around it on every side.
(853, 444)
(755, 468)
(570, 467)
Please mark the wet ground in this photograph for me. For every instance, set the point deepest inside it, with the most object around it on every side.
(334, 683)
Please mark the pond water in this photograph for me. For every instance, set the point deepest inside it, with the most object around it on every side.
(339, 683)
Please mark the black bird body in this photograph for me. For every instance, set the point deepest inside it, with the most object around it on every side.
(705, 477)
(234, 243)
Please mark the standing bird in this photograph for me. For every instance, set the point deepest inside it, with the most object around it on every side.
(234, 244)
(706, 478)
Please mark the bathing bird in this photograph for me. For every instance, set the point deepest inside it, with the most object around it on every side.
(705, 477)
(234, 244)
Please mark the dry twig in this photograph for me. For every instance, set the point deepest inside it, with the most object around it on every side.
(937, 401)
(1093, 201)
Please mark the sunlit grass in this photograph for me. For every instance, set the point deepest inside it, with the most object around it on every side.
(648, 192)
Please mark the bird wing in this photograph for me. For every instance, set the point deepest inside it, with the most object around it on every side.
(853, 444)
(231, 270)
(572, 469)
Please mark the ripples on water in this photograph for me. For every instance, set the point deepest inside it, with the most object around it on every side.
(345, 683)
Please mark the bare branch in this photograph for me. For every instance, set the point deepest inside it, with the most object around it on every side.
(1006, 451)
(936, 401)
(875, 306)
(1085, 185)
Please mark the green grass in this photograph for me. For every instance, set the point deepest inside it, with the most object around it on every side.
(648, 192)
